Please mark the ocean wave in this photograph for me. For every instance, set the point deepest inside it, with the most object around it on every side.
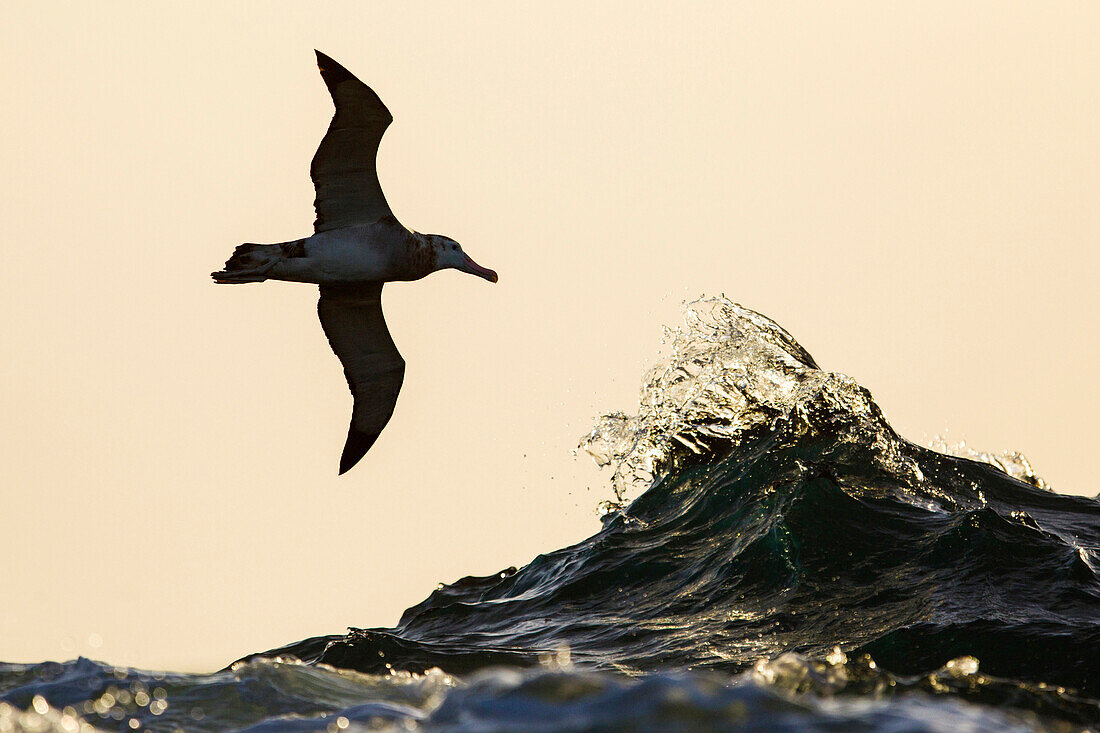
(776, 557)
(765, 506)
(789, 693)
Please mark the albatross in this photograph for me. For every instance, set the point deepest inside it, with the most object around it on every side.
(357, 246)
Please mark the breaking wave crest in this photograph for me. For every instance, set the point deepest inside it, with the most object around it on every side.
(731, 372)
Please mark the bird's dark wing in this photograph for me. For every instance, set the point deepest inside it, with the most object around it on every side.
(343, 168)
(351, 315)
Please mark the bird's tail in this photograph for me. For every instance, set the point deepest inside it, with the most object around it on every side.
(249, 263)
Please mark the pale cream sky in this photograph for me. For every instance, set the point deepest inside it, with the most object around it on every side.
(911, 189)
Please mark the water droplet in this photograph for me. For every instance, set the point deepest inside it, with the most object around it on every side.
(962, 666)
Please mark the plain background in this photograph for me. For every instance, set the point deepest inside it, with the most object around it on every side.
(910, 189)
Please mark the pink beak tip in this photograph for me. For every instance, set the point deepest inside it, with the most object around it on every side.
(475, 269)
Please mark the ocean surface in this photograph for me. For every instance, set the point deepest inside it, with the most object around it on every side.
(776, 558)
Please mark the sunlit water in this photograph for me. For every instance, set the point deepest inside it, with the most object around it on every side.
(776, 558)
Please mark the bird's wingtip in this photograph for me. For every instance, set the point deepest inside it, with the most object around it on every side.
(331, 69)
(357, 445)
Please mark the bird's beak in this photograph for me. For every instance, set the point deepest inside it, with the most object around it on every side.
(475, 269)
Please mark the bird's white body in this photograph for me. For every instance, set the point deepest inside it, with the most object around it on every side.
(340, 255)
(379, 252)
(349, 255)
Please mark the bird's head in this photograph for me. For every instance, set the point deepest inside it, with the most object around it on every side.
(449, 254)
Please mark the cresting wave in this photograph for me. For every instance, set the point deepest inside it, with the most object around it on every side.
(730, 372)
(777, 558)
(780, 513)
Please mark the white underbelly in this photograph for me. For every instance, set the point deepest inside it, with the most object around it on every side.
(336, 257)
(342, 263)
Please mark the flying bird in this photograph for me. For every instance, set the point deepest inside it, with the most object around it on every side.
(357, 246)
